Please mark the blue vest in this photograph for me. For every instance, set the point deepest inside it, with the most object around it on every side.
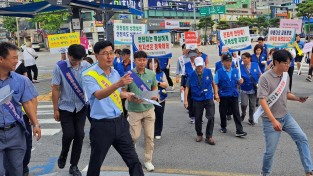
(262, 58)
(203, 92)
(163, 62)
(188, 69)
(162, 91)
(204, 57)
(264, 50)
(219, 65)
(115, 62)
(227, 87)
(248, 85)
(120, 68)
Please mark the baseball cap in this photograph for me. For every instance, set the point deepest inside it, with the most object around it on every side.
(192, 53)
(199, 61)
(226, 58)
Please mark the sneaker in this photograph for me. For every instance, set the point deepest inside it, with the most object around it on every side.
(192, 120)
(158, 137)
(61, 161)
(149, 166)
(228, 117)
(223, 130)
(241, 133)
(250, 122)
(75, 171)
(35, 81)
(309, 78)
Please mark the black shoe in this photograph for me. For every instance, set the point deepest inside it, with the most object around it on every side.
(223, 130)
(75, 171)
(61, 161)
(242, 117)
(228, 117)
(241, 133)
(251, 122)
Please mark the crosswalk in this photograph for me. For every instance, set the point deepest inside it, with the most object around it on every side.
(49, 126)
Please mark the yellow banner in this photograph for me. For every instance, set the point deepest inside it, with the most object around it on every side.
(63, 40)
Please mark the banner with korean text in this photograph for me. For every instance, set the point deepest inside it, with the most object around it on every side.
(291, 23)
(235, 39)
(280, 37)
(155, 45)
(59, 43)
(123, 32)
(191, 40)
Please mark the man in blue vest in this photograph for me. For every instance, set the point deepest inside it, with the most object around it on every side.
(201, 83)
(227, 79)
(261, 42)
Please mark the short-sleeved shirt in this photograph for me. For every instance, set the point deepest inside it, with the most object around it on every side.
(179, 69)
(104, 108)
(268, 82)
(24, 91)
(68, 100)
(149, 78)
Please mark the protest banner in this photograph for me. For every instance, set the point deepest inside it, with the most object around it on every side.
(291, 23)
(236, 39)
(155, 45)
(191, 40)
(280, 38)
(59, 43)
(307, 47)
(84, 42)
(123, 32)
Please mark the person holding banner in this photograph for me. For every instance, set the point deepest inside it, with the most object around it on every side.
(201, 83)
(162, 85)
(108, 128)
(142, 115)
(12, 125)
(69, 104)
(250, 73)
(227, 80)
(299, 54)
(259, 57)
(274, 92)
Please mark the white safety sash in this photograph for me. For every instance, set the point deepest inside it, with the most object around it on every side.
(272, 98)
(182, 64)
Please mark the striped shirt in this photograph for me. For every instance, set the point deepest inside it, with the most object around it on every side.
(68, 100)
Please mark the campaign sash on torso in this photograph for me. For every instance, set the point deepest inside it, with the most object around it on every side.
(272, 98)
(104, 83)
(12, 110)
(139, 83)
(71, 80)
(182, 63)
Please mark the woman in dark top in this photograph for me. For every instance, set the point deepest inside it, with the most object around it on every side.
(21, 69)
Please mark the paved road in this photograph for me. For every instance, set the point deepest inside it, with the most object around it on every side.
(177, 152)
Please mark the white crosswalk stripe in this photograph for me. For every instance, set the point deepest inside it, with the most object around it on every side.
(49, 126)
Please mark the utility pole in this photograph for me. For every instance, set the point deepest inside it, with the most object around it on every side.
(194, 15)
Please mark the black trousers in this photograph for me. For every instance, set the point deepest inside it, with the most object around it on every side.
(29, 72)
(190, 105)
(290, 73)
(73, 130)
(29, 141)
(209, 107)
(115, 132)
(158, 124)
(124, 108)
(169, 79)
(230, 103)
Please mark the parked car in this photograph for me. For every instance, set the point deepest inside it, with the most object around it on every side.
(254, 37)
(35, 46)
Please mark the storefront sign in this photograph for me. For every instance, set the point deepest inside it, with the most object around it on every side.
(59, 43)
(280, 37)
(235, 39)
(123, 32)
(155, 45)
(171, 24)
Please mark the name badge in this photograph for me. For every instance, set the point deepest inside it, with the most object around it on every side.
(205, 90)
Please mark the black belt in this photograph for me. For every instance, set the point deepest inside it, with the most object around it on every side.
(109, 120)
(6, 128)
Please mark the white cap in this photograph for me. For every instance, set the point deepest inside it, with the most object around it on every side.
(199, 61)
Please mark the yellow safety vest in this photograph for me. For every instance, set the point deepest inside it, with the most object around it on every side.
(104, 83)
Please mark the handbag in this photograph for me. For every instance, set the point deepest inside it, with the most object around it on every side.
(35, 57)
(255, 85)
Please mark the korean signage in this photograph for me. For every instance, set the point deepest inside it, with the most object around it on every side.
(204, 11)
(280, 37)
(171, 24)
(171, 5)
(218, 2)
(235, 39)
(291, 23)
(123, 32)
(60, 42)
(155, 45)
(191, 40)
(129, 3)
(307, 47)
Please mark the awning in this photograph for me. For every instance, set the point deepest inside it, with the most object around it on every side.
(30, 9)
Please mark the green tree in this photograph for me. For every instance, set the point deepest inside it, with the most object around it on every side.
(274, 22)
(305, 9)
(222, 25)
(244, 21)
(9, 23)
(205, 23)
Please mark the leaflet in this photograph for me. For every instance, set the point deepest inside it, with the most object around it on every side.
(305, 94)
(5, 94)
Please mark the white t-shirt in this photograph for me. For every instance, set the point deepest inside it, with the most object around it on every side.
(29, 55)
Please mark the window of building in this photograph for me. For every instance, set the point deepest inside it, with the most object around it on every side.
(87, 16)
(245, 6)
